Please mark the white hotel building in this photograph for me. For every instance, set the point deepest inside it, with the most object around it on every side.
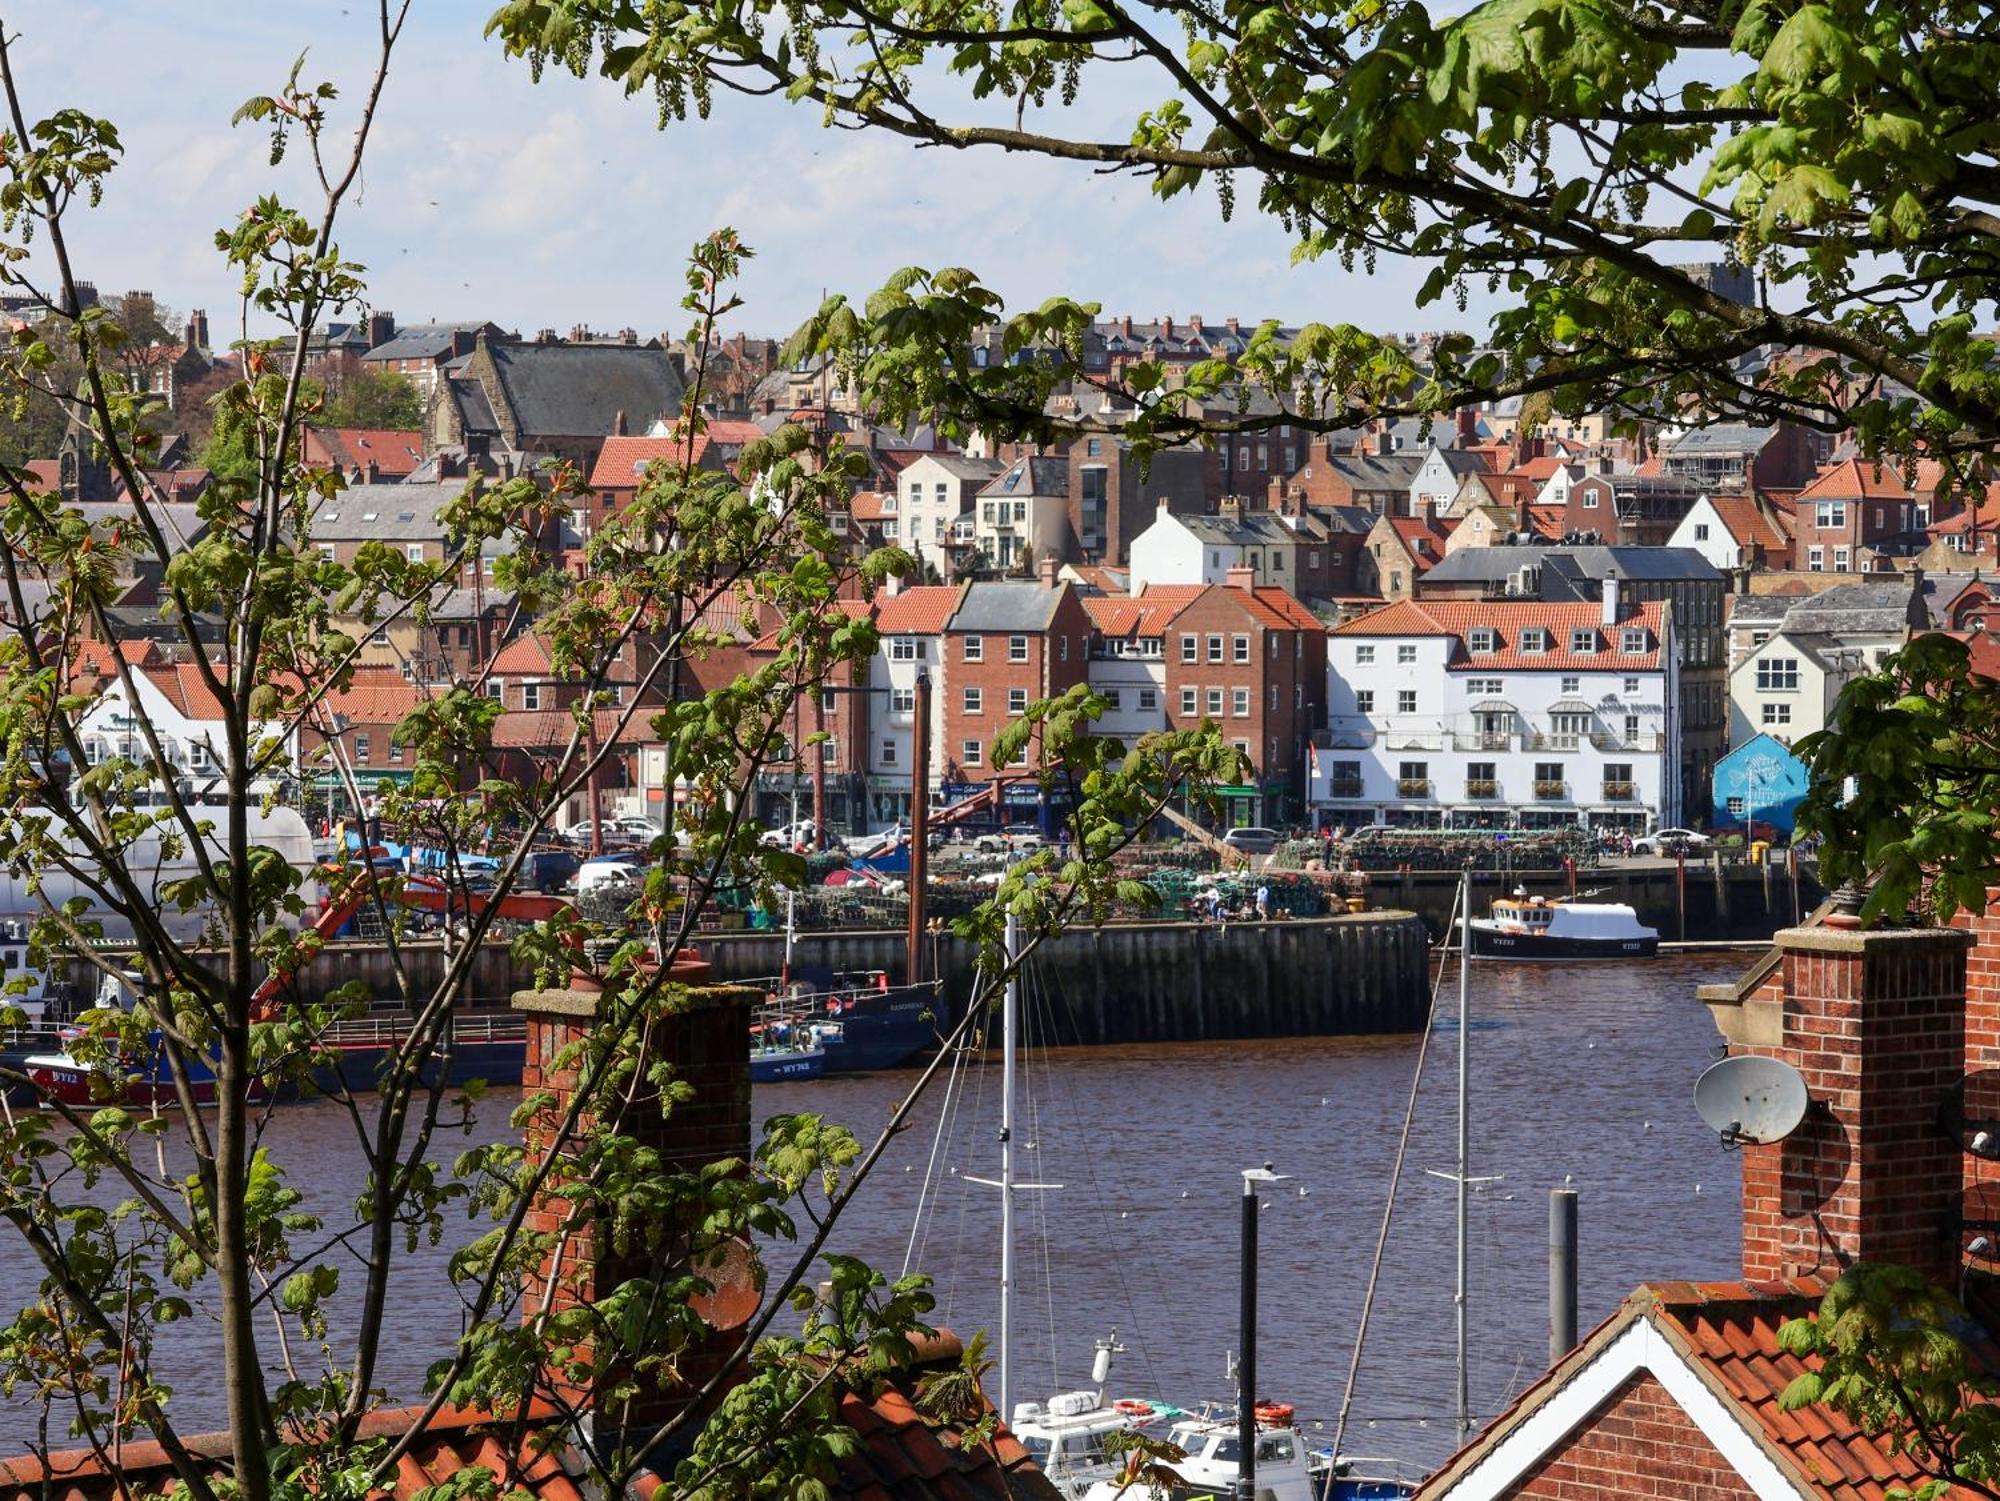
(1502, 714)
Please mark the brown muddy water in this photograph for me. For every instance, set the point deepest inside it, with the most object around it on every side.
(1579, 1074)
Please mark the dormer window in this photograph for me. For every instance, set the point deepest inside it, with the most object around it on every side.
(1583, 640)
(1534, 639)
(1633, 642)
(1483, 639)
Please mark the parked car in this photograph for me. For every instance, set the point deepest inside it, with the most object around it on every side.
(608, 870)
(549, 871)
(790, 836)
(616, 831)
(1667, 841)
(1252, 841)
(1014, 839)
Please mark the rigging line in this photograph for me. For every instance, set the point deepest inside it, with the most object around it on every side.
(1039, 995)
(1453, 925)
(954, 1107)
(930, 1167)
(1064, 1011)
(984, 1032)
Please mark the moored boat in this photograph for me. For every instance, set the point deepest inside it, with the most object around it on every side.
(1536, 928)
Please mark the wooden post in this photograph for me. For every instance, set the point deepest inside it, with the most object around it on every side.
(819, 771)
(1681, 890)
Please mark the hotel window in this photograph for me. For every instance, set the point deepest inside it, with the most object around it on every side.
(1583, 640)
(1190, 649)
(1406, 701)
(1631, 686)
(1632, 642)
(902, 700)
(1631, 729)
(975, 701)
(1215, 703)
(1239, 704)
(1534, 639)
(1017, 700)
(1483, 639)
(971, 752)
(1364, 656)
(1017, 648)
(1572, 685)
(1240, 648)
(1406, 654)
(1364, 701)
(1483, 687)
(1188, 705)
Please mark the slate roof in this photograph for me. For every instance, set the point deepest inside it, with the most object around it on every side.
(1723, 440)
(1657, 563)
(406, 512)
(1031, 476)
(475, 412)
(421, 341)
(1372, 471)
(960, 466)
(1507, 619)
(1861, 609)
(579, 389)
(1760, 609)
(1006, 605)
(1258, 529)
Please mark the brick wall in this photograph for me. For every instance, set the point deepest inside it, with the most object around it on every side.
(1875, 1022)
(707, 1046)
(1640, 1443)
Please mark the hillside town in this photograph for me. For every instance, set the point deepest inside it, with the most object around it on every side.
(1605, 630)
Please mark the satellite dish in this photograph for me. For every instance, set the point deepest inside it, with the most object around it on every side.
(1970, 1113)
(1754, 1100)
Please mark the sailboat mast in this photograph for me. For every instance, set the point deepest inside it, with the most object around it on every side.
(1464, 1162)
(1009, 1024)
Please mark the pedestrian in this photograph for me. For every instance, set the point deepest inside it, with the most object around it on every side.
(1263, 903)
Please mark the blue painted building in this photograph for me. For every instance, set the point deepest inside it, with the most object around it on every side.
(1759, 779)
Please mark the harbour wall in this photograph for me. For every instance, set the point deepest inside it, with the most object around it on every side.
(1712, 901)
(1161, 982)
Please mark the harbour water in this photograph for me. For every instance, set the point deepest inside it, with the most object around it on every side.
(1579, 1073)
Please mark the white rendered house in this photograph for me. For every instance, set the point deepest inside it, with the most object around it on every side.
(1501, 714)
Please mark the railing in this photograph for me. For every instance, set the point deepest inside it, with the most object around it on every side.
(1359, 738)
(1649, 741)
(1423, 740)
(1553, 792)
(1545, 740)
(1478, 740)
(1618, 792)
(1481, 788)
(1413, 787)
(393, 1026)
(1344, 789)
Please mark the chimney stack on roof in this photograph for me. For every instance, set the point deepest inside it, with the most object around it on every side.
(1049, 570)
(1241, 577)
(381, 328)
(618, 428)
(1875, 1024)
(1468, 426)
(197, 330)
(709, 1061)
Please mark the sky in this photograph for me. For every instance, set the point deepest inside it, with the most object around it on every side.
(488, 196)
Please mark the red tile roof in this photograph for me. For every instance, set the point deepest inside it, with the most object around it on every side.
(1728, 1333)
(1280, 610)
(1540, 468)
(1748, 523)
(1457, 618)
(525, 653)
(455, 1440)
(621, 462)
(1413, 530)
(1142, 614)
(383, 701)
(394, 452)
(1856, 479)
(868, 505)
(183, 687)
(1547, 521)
(550, 729)
(921, 611)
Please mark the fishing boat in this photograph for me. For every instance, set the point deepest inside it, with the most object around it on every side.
(861, 1021)
(781, 1052)
(1559, 929)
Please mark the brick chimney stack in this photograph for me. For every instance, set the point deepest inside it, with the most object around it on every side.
(707, 1048)
(381, 328)
(1875, 1022)
(197, 329)
(1468, 426)
(1241, 577)
(1049, 570)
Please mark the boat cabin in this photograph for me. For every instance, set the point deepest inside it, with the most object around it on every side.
(1606, 921)
(1066, 1436)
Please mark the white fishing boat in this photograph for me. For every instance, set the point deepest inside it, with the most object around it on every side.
(1561, 929)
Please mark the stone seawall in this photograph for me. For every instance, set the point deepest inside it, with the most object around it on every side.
(1164, 982)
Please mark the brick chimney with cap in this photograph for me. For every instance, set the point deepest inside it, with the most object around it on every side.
(1241, 577)
(705, 1045)
(381, 328)
(1874, 1021)
(1049, 570)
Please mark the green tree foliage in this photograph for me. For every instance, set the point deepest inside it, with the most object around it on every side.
(375, 398)
(282, 1309)
(1572, 155)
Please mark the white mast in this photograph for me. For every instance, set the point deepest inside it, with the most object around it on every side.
(1464, 1162)
(1009, 1021)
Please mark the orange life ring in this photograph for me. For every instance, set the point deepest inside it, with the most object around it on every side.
(1133, 1408)
(1273, 1414)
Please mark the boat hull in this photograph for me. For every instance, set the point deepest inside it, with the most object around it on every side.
(880, 1029)
(1542, 948)
(787, 1067)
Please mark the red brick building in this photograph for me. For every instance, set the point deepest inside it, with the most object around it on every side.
(1007, 644)
(1253, 661)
